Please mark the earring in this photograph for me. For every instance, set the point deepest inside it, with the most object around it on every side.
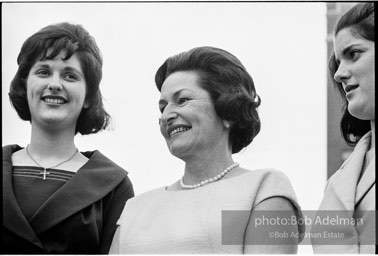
(226, 124)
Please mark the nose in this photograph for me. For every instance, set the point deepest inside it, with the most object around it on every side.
(342, 74)
(168, 116)
(54, 84)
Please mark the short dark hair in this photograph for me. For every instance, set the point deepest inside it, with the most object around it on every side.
(73, 39)
(360, 20)
(230, 86)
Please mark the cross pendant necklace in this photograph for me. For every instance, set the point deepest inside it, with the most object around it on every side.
(45, 172)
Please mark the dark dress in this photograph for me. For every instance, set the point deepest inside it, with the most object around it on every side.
(79, 218)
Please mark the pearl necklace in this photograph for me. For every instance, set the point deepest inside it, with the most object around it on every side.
(202, 183)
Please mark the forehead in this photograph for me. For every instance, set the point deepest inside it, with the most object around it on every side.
(73, 61)
(181, 80)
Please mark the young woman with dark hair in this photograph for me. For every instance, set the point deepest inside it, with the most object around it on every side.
(350, 192)
(57, 200)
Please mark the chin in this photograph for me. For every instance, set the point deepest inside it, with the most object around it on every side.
(54, 116)
(179, 151)
(361, 113)
(51, 119)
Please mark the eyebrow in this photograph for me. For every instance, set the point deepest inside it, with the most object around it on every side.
(175, 95)
(37, 65)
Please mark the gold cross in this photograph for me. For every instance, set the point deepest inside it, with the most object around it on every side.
(44, 173)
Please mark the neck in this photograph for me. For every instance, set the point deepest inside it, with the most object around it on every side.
(51, 144)
(372, 144)
(205, 167)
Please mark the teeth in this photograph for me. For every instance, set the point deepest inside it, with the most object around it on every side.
(54, 101)
(177, 130)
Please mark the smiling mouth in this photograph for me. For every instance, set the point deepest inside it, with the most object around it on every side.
(349, 88)
(54, 99)
(179, 130)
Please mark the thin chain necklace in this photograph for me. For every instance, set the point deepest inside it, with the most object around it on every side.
(45, 168)
(218, 177)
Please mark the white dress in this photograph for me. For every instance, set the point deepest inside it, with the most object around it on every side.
(190, 221)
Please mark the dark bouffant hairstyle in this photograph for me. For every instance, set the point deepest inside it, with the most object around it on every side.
(47, 44)
(360, 19)
(229, 85)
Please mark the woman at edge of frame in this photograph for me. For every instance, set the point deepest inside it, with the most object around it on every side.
(56, 199)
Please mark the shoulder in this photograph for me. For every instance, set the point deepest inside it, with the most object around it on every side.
(255, 186)
(99, 162)
(258, 182)
(275, 203)
(264, 176)
(125, 189)
(273, 176)
(361, 148)
(273, 183)
(276, 193)
(8, 150)
(103, 174)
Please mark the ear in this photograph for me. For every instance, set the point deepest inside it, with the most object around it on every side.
(226, 124)
(86, 104)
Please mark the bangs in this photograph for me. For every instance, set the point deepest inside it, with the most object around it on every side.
(52, 48)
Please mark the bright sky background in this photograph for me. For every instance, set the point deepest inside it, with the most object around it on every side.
(282, 45)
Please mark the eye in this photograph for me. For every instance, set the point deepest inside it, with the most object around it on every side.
(354, 54)
(42, 72)
(70, 77)
(182, 100)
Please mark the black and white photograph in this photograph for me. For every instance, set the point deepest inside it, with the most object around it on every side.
(188, 127)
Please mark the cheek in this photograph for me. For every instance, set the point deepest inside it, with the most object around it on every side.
(162, 129)
(204, 109)
(372, 79)
(209, 114)
(83, 89)
(82, 93)
(369, 81)
(29, 88)
(368, 71)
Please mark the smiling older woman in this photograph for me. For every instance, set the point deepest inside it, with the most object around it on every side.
(57, 200)
(209, 112)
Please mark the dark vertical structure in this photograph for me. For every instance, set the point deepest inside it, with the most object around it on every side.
(337, 148)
